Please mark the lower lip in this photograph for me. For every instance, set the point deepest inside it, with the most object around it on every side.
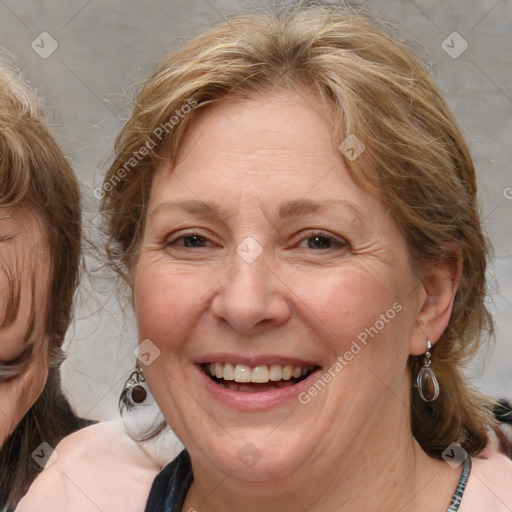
(255, 400)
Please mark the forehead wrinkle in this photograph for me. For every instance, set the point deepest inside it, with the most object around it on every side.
(292, 208)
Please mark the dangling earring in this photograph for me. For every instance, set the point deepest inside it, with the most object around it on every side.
(134, 391)
(140, 413)
(143, 421)
(426, 370)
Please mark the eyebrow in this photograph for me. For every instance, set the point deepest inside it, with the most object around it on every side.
(291, 208)
(306, 206)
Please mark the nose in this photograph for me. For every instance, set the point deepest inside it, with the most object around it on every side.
(251, 298)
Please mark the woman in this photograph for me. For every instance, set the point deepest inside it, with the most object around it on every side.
(294, 208)
(40, 231)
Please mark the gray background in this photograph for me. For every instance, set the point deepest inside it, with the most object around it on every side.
(106, 48)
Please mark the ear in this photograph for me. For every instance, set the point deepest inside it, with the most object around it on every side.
(436, 297)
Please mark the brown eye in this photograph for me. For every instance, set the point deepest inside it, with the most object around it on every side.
(193, 241)
(188, 241)
(320, 242)
(323, 241)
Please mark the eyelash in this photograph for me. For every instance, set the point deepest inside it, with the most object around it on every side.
(337, 243)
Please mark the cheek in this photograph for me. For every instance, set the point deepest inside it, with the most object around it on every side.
(361, 318)
(342, 303)
(166, 301)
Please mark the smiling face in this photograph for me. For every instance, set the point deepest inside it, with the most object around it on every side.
(24, 284)
(262, 260)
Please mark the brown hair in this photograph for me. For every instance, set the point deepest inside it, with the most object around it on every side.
(416, 161)
(35, 174)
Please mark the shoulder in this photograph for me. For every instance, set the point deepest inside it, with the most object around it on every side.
(97, 468)
(489, 485)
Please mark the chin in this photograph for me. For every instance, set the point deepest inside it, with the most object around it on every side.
(255, 456)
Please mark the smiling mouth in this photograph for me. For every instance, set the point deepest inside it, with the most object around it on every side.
(253, 379)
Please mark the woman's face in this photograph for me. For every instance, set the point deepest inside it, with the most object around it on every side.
(263, 259)
(24, 276)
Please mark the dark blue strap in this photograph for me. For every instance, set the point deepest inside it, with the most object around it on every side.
(171, 486)
(461, 486)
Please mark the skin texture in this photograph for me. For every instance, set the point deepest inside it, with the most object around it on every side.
(23, 257)
(300, 299)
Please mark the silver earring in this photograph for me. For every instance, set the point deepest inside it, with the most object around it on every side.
(426, 370)
(144, 423)
(140, 414)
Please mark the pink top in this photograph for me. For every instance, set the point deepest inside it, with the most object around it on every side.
(489, 488)
(94, 464)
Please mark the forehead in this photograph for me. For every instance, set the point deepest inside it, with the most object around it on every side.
(21, 219)
(294, 125)
(259, 150)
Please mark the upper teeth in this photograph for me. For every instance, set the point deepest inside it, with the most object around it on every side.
(260, 374)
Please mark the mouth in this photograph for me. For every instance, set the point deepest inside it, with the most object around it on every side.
(254, 379)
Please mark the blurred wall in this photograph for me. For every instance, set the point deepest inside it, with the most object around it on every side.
(86, 58)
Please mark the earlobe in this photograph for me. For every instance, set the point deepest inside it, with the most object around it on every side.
(439, 289)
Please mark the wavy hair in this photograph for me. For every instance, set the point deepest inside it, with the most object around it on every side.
(35, 175)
